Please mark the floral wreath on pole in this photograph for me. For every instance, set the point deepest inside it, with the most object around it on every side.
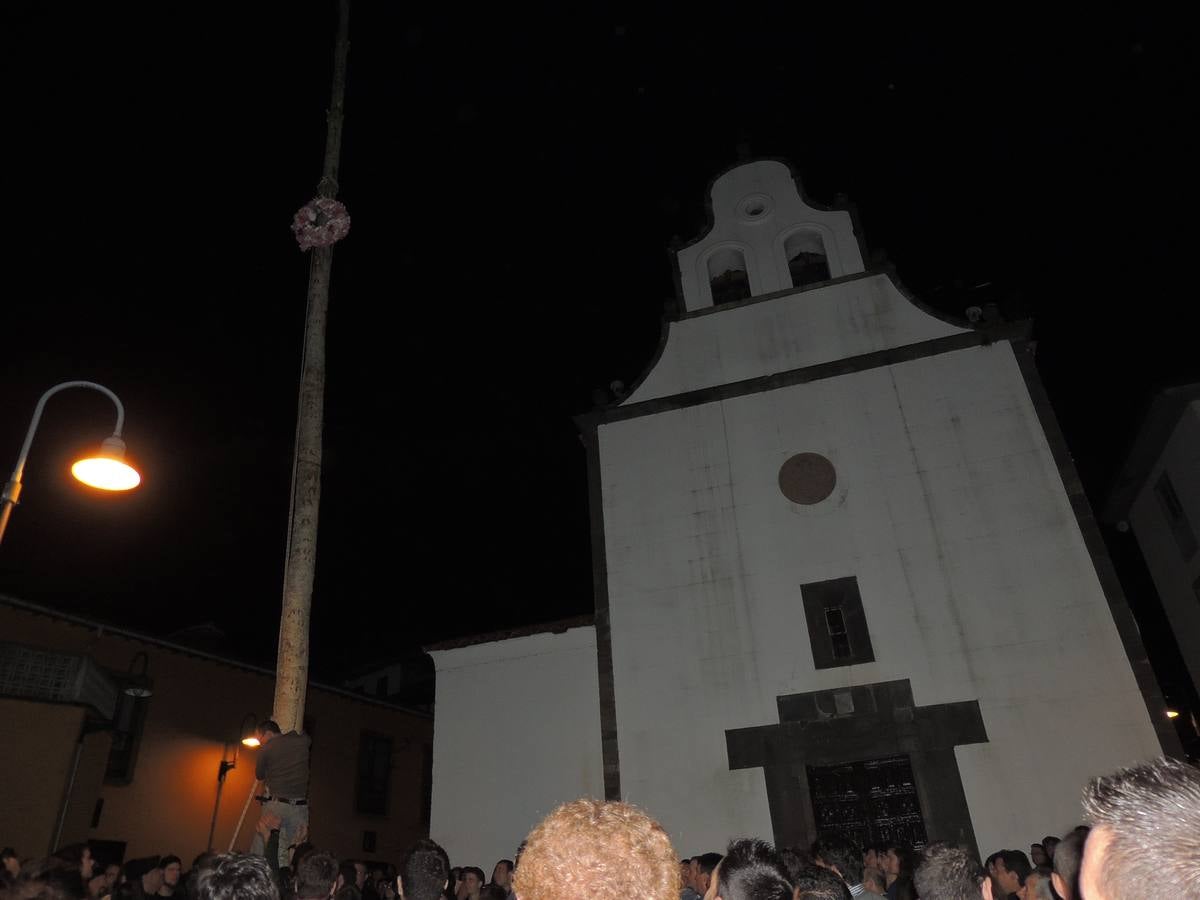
(321, 222)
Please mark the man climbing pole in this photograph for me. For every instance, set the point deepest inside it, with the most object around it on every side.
(283, 767)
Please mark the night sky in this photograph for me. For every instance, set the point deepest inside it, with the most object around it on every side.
(515, 177)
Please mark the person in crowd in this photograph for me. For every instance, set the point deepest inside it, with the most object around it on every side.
(874, 881)
(1145, 837)
(749, 870)
(898, 868)
(598, 849)
(813, 882)
(686, 870)
(172, 869)
(112, 877)
(1049, 842)
(706, 864)
(1067, 857)
(97, 886)
(11, 863)
(234, 876)
(347, 882)
(143, 878)
(502, 874)
(424, 872)
(1037, 885)
(316, 876)
(282, 765)
(1009, 870)
(794, 860)
(946, 872)
(837, 854)
(472, 879)
(1038, 855)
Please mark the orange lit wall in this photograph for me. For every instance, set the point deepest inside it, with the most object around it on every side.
(194, 714)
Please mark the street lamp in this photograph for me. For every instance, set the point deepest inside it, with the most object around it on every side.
(246, 738)
(106, 469)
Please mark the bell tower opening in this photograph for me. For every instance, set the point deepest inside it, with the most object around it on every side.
(806, 258)
(728, 277)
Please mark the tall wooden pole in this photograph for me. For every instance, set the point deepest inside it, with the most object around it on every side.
(291, 680)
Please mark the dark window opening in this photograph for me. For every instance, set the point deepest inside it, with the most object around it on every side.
(97, 811)
(837, 624)
(128, 722)
(1176, 515)
(426, 784)
(374, 773)
(727, 276)
(807, 262)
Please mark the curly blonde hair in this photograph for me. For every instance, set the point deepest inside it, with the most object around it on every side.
(593, 850)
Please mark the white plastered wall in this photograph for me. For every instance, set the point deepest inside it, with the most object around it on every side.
(517, 731)
(1174, 576)
(975, 580)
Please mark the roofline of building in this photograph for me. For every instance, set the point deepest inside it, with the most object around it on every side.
(104, 627)
(558, 626)
(1158, 424)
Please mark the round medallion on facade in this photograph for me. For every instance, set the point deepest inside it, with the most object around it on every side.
(807, 478)
(754, 208)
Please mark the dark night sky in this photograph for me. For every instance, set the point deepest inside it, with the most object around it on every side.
(515, 177)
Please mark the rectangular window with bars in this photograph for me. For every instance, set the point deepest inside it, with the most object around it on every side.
(837, 624)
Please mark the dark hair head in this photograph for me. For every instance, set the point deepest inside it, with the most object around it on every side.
(838, 853)
(203, 859)
(470, 870)
(424, 871)
(269, 725)
(1151, 816)
(946, 872)
(316, 873)
(234, 876)
(793, 861)
(348, 872)
(707, 862)
(1067, 857)
(1017, 863)
(8, 853)
(752, 870)
(507, 863)
(816, 883)
(169, 860)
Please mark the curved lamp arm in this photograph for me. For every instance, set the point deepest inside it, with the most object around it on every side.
(12, 490)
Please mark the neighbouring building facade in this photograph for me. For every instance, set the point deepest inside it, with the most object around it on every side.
(84, 759)
(1157, 497)
(846, 577)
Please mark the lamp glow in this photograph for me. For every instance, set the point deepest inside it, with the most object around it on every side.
(1172, 714)
(250, 742)
(108, 470)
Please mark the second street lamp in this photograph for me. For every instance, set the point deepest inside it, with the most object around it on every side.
(106, 469)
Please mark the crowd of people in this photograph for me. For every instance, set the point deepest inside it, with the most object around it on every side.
(1141, 840)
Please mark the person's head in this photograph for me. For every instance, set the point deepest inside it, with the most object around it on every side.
(1038, 855)
(836, 853)
(152, 878)
(896, 859)
(112, 872)
(472, 877)
(1037, 885)
(946, 872)
(97, 886)
(1010, 869)
(1049, 842)
(1145, 835)
(424, 872)
(1067, 857)
(267, 731)
(234, 876)
(172, 867)
(685, 872)
(346, 874)
(12, 862)
(502, 873)
(871, 857)
(693, 867)
(706, 864)
(793, 860)
(602, 850)
(749, 870)
(77, 856)
(316, 875)
(818, 883)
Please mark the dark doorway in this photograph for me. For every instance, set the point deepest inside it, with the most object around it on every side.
(871, 802)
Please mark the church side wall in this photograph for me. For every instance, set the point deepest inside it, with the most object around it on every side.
(517, 733)
(1175, 576)
(975, 581)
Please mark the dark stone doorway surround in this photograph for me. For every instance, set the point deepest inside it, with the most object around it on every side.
(865, 722)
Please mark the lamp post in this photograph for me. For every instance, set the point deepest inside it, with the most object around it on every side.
(106, 470)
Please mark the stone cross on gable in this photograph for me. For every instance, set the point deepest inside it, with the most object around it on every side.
(874, 722)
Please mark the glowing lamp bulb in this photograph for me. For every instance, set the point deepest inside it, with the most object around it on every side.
(250, 742)
(1172, 714)
(108, 470)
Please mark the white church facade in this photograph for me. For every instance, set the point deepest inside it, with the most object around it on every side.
(845, 578)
